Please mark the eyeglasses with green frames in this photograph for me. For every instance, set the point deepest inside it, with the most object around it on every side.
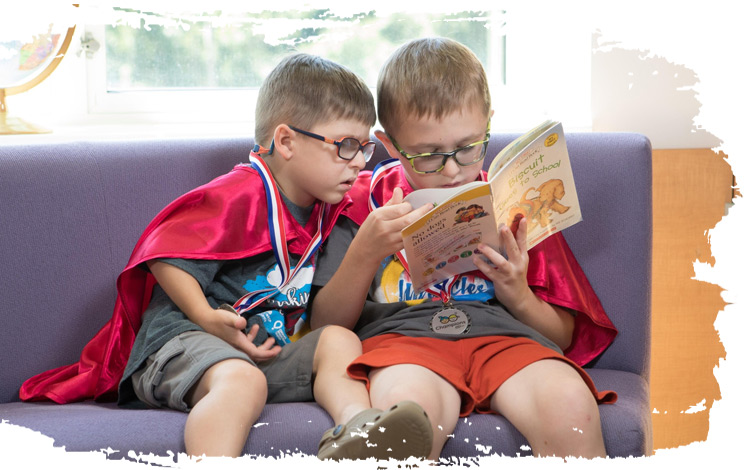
(432, 162)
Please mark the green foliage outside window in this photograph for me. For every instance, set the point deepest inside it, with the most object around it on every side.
(199, 52)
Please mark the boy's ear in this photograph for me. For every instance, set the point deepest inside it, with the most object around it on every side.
(386, 141)
(284, 141)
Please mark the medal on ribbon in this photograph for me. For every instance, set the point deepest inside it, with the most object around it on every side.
(278, 238)
(449, 320)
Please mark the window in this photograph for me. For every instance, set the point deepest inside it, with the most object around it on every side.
(200, 64)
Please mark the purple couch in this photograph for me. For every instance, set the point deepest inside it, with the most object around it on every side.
(70, 213)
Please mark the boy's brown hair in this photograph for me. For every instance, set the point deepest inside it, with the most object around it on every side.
(304, 90)
(430, 77)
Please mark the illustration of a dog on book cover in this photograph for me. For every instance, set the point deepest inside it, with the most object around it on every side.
(538, 209)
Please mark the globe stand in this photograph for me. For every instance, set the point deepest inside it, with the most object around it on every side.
(10, 125)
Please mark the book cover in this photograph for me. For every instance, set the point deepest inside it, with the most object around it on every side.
(531, 177)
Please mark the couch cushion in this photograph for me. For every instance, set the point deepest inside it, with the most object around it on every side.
(297, 427)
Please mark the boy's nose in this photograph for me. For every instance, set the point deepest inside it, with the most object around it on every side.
(358, 161)
(451, 167)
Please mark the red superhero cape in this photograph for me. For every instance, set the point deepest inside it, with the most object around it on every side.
(224, 219)
(553, 272)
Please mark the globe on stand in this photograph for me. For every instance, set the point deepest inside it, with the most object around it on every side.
(26, 63)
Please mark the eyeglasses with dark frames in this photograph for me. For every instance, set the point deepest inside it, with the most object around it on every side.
(433, 162)
(347, 147)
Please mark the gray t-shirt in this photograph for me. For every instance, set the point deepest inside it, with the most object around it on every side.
(393, 307)
(223, 282)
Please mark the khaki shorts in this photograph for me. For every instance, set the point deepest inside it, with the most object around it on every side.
(169, 373)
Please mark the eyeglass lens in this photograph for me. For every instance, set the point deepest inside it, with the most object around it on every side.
(348, 148)
(465, 156)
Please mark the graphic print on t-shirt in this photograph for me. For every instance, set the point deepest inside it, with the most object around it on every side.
(284, 314)
(395, 286)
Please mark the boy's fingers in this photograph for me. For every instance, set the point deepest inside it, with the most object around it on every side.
(243, 342)
(231, 318)
(516, 223)
(491, 254)
(268, 344)
(252, 332)
(396, 198)
(394, 211)
(522, 235)
(251, 335)
(490, 259)
(264, 354)
(267, 350)
(411, 217)
(508, 242)
(421, 210)
(514, 242)
(239, 322)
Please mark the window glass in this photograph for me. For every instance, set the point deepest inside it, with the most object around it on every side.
(217, 50)
(192, 65)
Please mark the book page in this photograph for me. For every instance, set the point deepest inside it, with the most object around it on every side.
(437, 196)
(443, 242)
(505, 156)
(539, 186)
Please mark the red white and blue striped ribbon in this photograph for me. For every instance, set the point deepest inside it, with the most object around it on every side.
(378, 172)
(443, 289)
(278, 237)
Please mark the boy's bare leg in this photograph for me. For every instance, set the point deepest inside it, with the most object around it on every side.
(225, 402)
(399, 431)
(550, 404)
(340, 395)
(441, 401)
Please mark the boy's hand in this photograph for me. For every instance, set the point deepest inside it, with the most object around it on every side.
(509, 274)
(510, 278)
(379, 235)
(266, 351)
(229, 326)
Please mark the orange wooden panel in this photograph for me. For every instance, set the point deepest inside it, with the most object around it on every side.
(690, 190)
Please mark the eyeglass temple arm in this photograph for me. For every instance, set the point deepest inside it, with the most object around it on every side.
(315, 136)
(259, 150)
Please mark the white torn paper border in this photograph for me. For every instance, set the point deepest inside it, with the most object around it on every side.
(704, 37)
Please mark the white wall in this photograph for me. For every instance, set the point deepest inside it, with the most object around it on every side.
(649, 95)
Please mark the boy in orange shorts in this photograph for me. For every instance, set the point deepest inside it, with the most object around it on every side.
(508, 338)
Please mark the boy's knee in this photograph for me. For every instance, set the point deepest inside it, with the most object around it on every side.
(337, 337)
(236, 379)
(407, 382)
(572, 401)
(238, 374)
(575, 392)
(405, 390)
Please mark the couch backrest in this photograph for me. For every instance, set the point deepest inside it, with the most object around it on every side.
(70, 213)
(613, 243)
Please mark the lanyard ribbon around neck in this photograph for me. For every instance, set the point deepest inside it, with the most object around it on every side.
(278, 238)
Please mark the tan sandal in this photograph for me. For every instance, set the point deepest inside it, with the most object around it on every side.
(400, 432)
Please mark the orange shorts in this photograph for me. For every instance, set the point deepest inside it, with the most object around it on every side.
(476, 367)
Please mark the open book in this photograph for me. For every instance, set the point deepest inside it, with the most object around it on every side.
(531, 177)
